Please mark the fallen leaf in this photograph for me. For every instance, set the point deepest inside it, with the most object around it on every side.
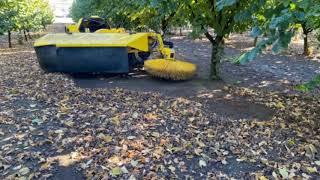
(202, 163)
(263, 178)
(280, 105)
(24, 171)
(37, 121)
(134, 163)
(274, 174)
(116, 120)
(132, 177)
(105, 138)
(306, 176)
(312, 169)
(131, 137)
(310, 151)
(158, 152)
(155, 134)
(224, 162)
(135, 115)
(284, 173)
(124, 170)
(58, 131)
(115, 172)
(69, 123)
(150, 117)
(114, 159)
(172, 169)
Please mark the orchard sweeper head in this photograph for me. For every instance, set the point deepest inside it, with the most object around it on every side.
(111, 53)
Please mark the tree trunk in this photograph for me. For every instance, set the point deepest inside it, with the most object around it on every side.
(28, 33)
(180, 31)
(164, 32)
(306, 50)
(9, 39)
(255, 41)
(20, 37)
(25, 35)
(216, 57)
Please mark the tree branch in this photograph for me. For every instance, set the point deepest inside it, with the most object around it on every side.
(210, 37)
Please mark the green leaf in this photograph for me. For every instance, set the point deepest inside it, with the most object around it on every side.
(282, 42)
(300, 16)
(309, 86)
(221, 4)
(281, 22)
(247, 57)
(305, 4)
(242, 16)
(256, 31)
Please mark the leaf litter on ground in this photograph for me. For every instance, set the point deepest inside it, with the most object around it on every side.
(125, 134)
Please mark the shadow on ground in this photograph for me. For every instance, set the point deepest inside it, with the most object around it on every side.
(204, 91)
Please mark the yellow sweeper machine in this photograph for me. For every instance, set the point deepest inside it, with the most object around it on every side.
(111, 52)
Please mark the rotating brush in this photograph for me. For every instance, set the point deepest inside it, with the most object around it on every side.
(170, 69)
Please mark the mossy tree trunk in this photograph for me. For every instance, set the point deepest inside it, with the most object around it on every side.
(216, 55)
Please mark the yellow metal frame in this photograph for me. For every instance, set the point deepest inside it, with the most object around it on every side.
(167, 53)
(112, 30)
(74, 28)
(135, 42)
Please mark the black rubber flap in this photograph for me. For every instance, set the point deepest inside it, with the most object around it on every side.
(83, 60)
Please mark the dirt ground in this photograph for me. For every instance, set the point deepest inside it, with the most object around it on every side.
(55, 126)
(271, 72)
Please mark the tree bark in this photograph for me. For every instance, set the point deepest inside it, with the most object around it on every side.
(28, 33)
(216, 57)
(164, 31)
(255, 41)
(9, 39)
(306, 45)
(180, 31)
(25, 35)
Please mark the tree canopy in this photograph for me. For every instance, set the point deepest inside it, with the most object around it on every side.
(139, 15)
(24, 15)
(281, 20)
